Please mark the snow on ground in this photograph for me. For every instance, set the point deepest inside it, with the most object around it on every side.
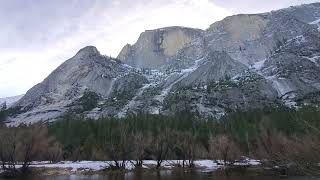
(202, 165)
(75, 166)
(207, 165)
(248, 162)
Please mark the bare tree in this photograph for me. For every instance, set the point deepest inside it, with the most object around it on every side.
(119, 148)
(186, 148)
(140, 145)
(224, 148)
(54, 151)
(278, 149)
(161, 146)
(307, 155)
(23, 144)
(8, 149)
(32, 144)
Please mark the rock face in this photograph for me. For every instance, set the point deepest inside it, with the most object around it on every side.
(294, 68)
(251, 38)
(246, 38)
(213, 67)
(9, 101)
(241, 62)
(240, 36)
(87, 71)
(155, 47)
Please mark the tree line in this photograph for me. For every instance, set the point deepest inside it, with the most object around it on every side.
(277, 136)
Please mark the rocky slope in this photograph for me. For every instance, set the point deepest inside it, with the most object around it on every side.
(241, 62)
(9, 101)
(87, 73)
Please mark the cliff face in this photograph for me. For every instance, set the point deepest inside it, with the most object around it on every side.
(155, 47)
(241, 62)
(241, 27)
(246, 38)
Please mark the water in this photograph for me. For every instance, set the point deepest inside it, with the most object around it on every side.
(165, 175)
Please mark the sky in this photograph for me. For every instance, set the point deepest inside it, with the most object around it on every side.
(36, 36)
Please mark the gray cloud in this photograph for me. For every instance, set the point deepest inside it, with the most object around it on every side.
(33, 24)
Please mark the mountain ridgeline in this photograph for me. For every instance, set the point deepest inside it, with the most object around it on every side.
(244, 61)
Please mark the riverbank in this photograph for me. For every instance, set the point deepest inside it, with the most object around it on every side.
(99, 167)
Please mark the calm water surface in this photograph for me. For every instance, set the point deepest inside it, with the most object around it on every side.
(165, 175)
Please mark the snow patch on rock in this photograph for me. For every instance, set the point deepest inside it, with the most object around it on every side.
(316, 22)
(122, 113)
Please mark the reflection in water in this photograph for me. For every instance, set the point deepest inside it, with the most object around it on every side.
(164, 175)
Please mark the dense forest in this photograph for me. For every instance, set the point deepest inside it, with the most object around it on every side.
(280, 136)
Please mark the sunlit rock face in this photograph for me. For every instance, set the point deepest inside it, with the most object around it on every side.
(241, 27)
(240, 36)
(155, 48)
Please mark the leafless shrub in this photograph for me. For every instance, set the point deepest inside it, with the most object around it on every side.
(98, 154)
(8, 148)
(120, 149)
(224, 148)
(141, 143)
(278, 149)
(32, 144)
(54, 152)
(161, 146)
(23, 145)
(186, 148)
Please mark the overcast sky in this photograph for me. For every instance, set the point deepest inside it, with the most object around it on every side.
(38, 35)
